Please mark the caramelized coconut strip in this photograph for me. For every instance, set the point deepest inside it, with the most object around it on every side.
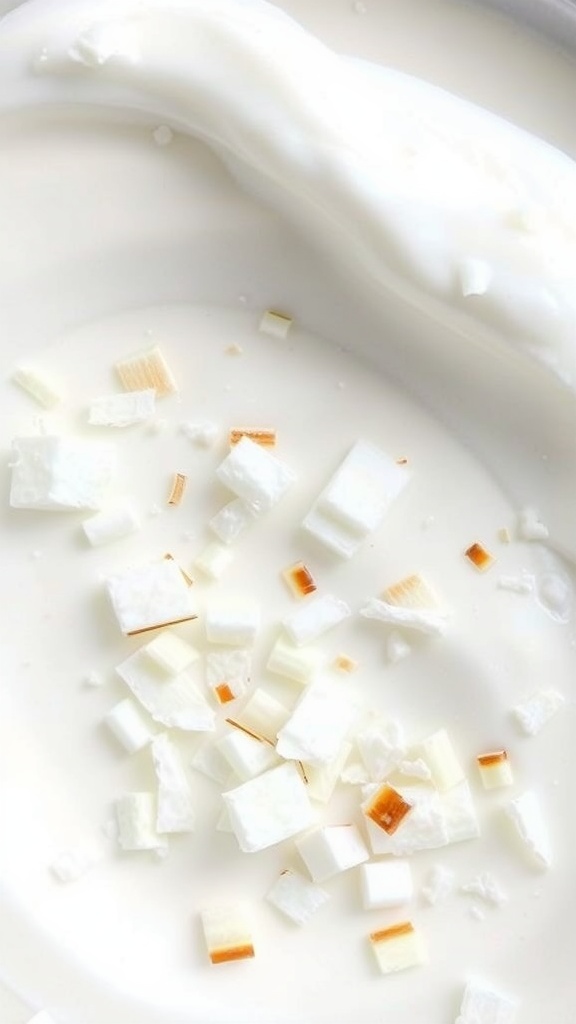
(161, 625)
(178, 487)
(481, 558)
(299, 579)
(265, 436)
(387, 809)
(249, 732)
(146, 370)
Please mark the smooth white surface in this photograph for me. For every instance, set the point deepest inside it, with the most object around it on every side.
(102, 229)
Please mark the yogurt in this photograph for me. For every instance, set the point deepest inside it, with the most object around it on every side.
(142, 957)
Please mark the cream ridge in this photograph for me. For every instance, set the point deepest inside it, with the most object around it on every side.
(468, 217)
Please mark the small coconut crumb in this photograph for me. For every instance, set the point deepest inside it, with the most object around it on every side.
(110, 829)
(522, 584)
(439, 885)
(163, 135)
(234, 350)
(344, 663)
(476, 912)
(536, 710)
(155, 510)
(486, 887)
(70, 865)
(504, 535)
(417, 769)
(202, 433)
(530, 526)
(93, 679)
(397, 647)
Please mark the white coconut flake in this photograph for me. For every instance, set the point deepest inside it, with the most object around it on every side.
(535, 711)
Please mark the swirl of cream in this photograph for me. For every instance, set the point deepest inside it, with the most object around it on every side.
(466, 216)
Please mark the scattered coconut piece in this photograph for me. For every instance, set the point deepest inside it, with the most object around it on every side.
(175, 809)
(297, 663)
(178, 488)
(110, 525)
(296, 897)
(53, 473)
(495, 769)
(356, 499)
(247, 755)
(479, 556)
(270, 808)
(439, 754)
(387, 808)
(481, 1004)
(331, 849)
(70, 865)
(525, 814)
(411, 592)
(148, 597)
(534, 711)
(146, 370)
(276, 324)
(129, 726)
(171, 653)
(486, 888)
(231, 521)
(530, 526)
(136, 817)
(202, 433)
(319, 724)
(232, 620)
(315, 618)
(123, 410)
(176, 702)
(299, 580)
(254, 475)
(385, 883)
(430, 621)
(228, 933)
(39, 387)
(439, 884)
(522, 584)
(214, 559)
(398, 947)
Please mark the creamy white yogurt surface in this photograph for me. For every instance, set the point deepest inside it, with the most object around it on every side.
(113, 242)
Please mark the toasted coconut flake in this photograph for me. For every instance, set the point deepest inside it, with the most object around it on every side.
(223, 693)
(411, 592)
(265, 436)
(344, 663)
(299, 580)
(479, 556)
(387, 809)
(487, 760)
(178, 487)
(495, 769)
(146, 370)
(402, 461)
